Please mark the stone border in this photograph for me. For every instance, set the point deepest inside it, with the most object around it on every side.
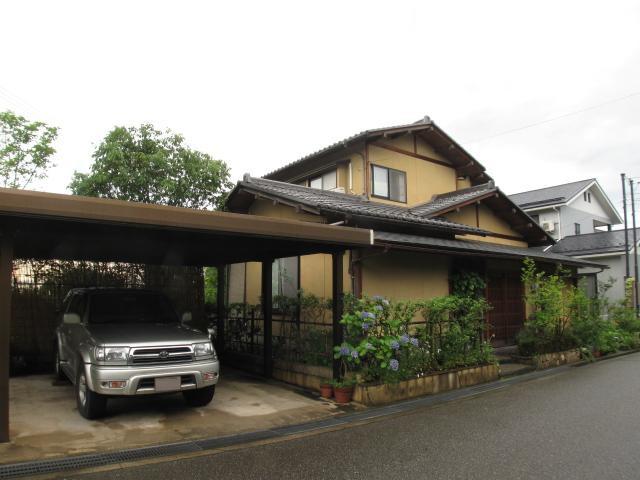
(381, 394)
(548, 360)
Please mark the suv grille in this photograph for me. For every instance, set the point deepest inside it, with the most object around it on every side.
(152, 355)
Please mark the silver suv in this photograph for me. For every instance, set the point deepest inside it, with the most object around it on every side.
(114, 342)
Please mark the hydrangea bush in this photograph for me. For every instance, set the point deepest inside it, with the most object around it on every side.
(382, 345)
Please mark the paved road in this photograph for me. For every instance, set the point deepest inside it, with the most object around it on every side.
(583, 423)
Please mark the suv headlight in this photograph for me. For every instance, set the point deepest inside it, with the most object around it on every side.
(112, 355)
(203, 350)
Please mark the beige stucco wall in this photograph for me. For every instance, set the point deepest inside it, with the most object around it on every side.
(405, 275)
(424, 178)
(488, 221)
(266, 208)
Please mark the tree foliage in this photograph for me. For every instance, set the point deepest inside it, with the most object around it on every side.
(146, 165)
(25, 150)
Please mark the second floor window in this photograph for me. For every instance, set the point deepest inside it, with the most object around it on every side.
(389, 183)
(327, 181)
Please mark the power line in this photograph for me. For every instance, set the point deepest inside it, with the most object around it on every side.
(553, 119)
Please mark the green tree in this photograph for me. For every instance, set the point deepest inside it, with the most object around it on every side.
(25, 150)
(143, 164)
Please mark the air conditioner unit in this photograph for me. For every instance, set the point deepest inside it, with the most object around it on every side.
(548, 226)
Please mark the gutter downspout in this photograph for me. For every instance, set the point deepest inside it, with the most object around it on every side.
(555, 209)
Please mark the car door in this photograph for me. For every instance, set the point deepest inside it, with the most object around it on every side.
(75, 333)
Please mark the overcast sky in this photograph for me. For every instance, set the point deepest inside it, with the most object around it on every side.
(260, 84)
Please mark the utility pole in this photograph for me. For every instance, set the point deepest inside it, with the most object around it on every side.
(626, 227)
(635, 246)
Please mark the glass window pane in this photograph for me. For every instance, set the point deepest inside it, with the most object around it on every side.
(380, 182)
(316, 183)
(284, 277)
(397, 186)
(329, 180)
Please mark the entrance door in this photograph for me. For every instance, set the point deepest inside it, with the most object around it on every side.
(504, 293)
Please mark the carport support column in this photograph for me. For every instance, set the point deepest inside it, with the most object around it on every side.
(221, 310)
(267, 313)
(6, 269)
(338, 306)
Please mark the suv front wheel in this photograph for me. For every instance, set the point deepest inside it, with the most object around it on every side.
(199, 397)
(91, 405)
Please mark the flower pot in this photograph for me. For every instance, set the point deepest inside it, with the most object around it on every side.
(326, 390)
(343, 394)
(597, 353)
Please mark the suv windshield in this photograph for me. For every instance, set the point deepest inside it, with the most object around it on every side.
(131, 307)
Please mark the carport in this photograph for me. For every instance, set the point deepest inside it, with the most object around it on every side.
(42, 226)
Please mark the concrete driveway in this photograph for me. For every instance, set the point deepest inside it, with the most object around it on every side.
(45, 422)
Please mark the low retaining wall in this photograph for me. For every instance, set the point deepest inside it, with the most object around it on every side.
(301, 374)
(427, 385)
(548, 360)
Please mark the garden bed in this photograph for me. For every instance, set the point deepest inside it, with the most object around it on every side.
(548, 360)
(380, 394)
(301, 374)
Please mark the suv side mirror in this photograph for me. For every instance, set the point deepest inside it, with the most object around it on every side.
(71, 319)
(186, 317)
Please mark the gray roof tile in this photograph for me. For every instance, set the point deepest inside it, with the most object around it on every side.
(550, 195)
(447, 200)
(476, 247)
(330, 201)
(594, 243)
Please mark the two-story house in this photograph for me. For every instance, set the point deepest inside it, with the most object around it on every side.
(572, 208)
(580, 216)
(433, 209)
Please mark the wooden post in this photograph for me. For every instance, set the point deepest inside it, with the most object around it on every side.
(338, 306)
(267, 314)
(221, 310)
(6, 269)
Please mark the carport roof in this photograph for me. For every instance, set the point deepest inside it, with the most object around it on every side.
(48, 225)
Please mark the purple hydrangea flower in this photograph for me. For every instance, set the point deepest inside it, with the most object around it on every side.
(395, 345)
(367, 315)
(385, 301)
(378, 298)
(366, 326)
(415, 342)
(368, 346)
(404, 339)
(378, 307)
(354, 354)
(344, 350)
(394, 364)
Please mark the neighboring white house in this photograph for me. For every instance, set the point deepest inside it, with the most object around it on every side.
(601, 247)
(575, 208)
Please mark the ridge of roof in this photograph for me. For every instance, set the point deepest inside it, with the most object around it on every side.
(344, 203)
(446, 200)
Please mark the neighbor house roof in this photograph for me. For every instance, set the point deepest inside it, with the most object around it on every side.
(555, 195)
(594, 243)
(342, 205)
(477, 248)
(460, 159)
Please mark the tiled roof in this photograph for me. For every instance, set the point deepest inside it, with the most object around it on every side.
(550, 195)
(594, 243)
(365, 133)
(342, 203)
(447, 200)
(433, 134)
(476, 247)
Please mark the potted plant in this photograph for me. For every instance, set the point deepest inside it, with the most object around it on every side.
(326, 388)
(343, 390)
